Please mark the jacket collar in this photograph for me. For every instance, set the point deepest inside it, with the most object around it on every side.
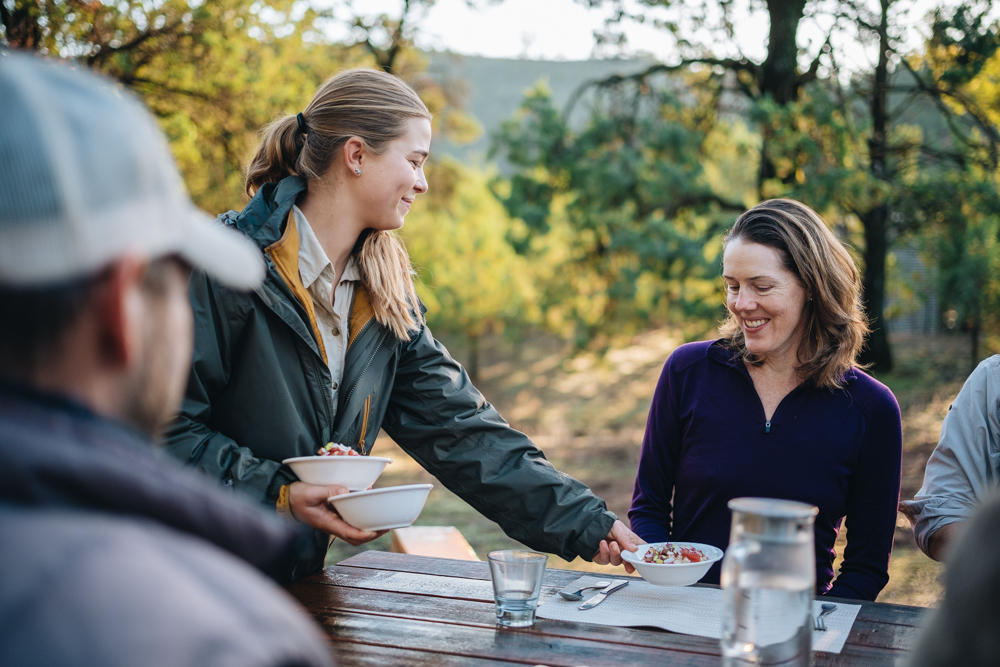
(263, 219)
(269, 222)
(57, 453)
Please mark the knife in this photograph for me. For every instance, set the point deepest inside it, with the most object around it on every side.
(599, 598)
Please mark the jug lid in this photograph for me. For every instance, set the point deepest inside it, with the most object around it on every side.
(773, 508)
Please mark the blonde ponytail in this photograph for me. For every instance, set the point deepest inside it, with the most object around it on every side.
(375, 107)
(278, 156)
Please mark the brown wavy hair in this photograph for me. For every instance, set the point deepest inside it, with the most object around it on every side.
(835, 323)
(375, 107)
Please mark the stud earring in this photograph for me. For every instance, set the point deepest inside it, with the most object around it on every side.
(357, 171)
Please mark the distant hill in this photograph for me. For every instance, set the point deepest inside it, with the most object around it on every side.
(496, 86)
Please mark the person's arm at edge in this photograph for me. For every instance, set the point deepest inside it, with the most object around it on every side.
(942, 539)
(961, 471)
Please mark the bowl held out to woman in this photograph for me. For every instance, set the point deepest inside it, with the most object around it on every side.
(777, 407)
(334, 346)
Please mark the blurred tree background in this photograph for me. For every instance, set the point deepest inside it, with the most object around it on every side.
(613, 205)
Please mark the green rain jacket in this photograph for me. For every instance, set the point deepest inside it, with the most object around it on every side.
(260, 391)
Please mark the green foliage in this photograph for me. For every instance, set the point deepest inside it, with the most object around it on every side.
(634, 205)
(213, 72)
(470, 279)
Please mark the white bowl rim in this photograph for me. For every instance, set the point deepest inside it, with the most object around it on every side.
(375, 492)
(634, 557)
(296, 459)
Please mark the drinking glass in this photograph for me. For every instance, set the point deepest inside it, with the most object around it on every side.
(517, 581)
(768, 583)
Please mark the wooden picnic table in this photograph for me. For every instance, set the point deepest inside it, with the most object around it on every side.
(445, 617)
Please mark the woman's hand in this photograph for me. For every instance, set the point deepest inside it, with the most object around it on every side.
(308, 505)
(619, 539)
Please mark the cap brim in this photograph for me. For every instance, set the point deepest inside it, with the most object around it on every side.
(225, 254)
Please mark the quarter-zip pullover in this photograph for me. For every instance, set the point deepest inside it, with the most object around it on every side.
(708, 441)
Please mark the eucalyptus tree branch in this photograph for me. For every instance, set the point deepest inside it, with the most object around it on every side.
(160, 86)
(702, 198)
(812, 73)
(107, 51)
(660, 68)
(937, 94)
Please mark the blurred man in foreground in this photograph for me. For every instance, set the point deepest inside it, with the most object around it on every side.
(110, 553)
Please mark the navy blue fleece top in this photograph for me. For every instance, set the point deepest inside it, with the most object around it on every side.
(707, 442)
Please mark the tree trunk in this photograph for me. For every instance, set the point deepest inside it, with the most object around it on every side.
(878, 352)
(778, 76)
(20, 24)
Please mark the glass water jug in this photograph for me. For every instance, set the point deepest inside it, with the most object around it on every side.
(768, 583)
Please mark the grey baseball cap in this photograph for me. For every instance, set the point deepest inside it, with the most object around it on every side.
(86, 177)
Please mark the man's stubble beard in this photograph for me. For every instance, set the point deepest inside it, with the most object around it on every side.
(156, 389)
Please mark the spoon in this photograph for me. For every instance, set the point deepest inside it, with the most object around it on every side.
(826, 608)
(578, 595)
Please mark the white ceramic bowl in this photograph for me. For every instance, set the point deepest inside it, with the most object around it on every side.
(382, 509)
(676, 574)
(357, 473)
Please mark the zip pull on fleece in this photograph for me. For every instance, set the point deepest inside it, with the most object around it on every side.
(767, 426)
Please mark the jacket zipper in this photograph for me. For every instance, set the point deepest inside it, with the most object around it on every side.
(767, 422)
(365, 368)
(327, 391)
(364, 424)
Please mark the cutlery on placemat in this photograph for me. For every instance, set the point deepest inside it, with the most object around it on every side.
(826, 608)
(574, 596)
(599, 598)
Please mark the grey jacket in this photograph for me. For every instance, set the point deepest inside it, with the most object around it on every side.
(964, 469)
(113, 555)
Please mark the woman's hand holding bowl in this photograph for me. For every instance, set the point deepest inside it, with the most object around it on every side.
(619, 539)
(308, 505)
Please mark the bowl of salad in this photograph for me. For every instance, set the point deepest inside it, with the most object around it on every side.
(673, 563)
(338, 465)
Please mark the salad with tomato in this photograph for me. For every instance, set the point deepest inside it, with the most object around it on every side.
(673, 554)
(333, 449)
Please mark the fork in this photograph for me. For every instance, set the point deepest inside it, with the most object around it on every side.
(825, 608)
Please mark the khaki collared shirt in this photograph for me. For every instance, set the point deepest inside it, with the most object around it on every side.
(333, 308)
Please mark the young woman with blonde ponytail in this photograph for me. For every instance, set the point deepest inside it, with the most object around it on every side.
(334, 346)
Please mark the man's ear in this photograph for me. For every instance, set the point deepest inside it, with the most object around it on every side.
(121, 310)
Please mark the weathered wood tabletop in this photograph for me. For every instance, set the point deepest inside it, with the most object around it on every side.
(440, 612)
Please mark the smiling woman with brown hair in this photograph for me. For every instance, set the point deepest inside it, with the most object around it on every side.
(778, 407)
(334, 346)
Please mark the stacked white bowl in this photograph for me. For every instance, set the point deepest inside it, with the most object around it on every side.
(367, 509)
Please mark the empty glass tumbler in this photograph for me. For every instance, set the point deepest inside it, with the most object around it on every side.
(517, 581)
(768, 582)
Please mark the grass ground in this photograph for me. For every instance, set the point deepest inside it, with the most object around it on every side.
(588, 411)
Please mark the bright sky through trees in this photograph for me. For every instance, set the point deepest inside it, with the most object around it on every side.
(564, 29)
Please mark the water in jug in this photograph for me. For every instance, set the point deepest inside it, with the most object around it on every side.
(768, 583)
